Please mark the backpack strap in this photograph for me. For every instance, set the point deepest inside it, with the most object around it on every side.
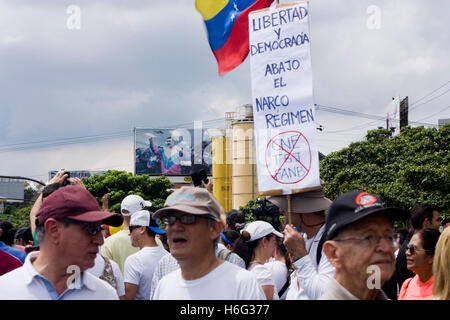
(108, 273)
(286, 284)
(224, 253)
(319, 247)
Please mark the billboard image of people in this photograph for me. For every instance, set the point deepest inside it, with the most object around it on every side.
(172, 151)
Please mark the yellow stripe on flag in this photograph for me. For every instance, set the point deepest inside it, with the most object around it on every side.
(209, 8)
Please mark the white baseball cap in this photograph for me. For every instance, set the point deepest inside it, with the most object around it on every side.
(143, 218)
(133, 203)
(259, 229)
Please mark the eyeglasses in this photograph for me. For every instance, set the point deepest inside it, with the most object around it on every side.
(371, 240)
(131, 228)
(92, 228)
(186, 219)
(412, 248)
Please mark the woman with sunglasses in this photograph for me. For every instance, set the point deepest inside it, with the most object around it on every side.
(419, 259)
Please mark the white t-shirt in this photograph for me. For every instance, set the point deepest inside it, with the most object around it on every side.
(25, 283)
(279, 273)
(226, 282)
(97, 270)
(139, 268)
(264, 277)
(293, 292)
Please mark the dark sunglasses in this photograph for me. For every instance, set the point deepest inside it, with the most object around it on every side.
(413, 249)
(92, 228)
(131, 228)
(186, 219)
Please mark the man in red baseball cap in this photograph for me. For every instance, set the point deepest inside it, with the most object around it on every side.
(68, 226)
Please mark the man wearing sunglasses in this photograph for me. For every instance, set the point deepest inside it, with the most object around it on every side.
(139, 267)
(69, 229)
(193, 226)
(360, 245)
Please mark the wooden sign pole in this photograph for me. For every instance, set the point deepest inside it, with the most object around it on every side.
(289, 208)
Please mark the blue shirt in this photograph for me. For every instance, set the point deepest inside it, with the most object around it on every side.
(19, 254)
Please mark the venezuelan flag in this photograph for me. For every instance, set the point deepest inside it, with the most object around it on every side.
(227, 26)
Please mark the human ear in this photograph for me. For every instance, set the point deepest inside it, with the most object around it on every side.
(331, 250)
(216, 228)
(52, 230)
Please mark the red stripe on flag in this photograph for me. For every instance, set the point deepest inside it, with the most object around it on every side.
(236, 49)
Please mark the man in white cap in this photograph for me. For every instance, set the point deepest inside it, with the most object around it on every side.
(140, 266)
(118, 246)
(313, 272)
(192, 217)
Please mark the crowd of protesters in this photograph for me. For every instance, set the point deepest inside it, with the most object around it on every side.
(191, 249)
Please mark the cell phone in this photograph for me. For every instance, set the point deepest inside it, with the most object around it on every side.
(66, 182)
(198, 177)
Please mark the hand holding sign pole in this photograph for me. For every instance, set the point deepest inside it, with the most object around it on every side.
(283, 105)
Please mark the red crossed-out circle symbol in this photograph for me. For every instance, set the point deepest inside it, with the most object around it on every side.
(295, 138)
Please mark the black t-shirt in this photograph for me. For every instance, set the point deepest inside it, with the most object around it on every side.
(401, 272)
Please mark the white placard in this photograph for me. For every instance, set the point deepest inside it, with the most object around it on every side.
(283, 106)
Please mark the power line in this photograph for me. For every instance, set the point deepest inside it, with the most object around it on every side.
(435, 113)
(428, 94)
(432, 99)
(60, 142)
(361, 115)
(85, 139)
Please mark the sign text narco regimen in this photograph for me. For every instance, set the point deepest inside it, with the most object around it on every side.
(283, 106)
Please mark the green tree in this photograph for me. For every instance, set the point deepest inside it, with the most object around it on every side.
(119, 184)
(410, 168)
(18, 213)
(19, 217)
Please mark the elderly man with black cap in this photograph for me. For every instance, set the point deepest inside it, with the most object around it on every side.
(69, 225)
(360, 245)
(192, 217)
(313, 272)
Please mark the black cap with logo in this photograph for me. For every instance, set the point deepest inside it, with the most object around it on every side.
(356, 205)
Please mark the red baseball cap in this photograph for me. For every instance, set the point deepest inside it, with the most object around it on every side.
(76, 203)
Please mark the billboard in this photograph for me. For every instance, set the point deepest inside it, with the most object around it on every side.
(172, 151)
(11, 190)
(77, 174)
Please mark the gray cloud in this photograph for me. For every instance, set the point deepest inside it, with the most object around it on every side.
(148, 64)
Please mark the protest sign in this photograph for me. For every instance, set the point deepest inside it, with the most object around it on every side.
(283, 106)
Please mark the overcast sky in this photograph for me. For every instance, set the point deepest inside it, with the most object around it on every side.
(148, 64)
